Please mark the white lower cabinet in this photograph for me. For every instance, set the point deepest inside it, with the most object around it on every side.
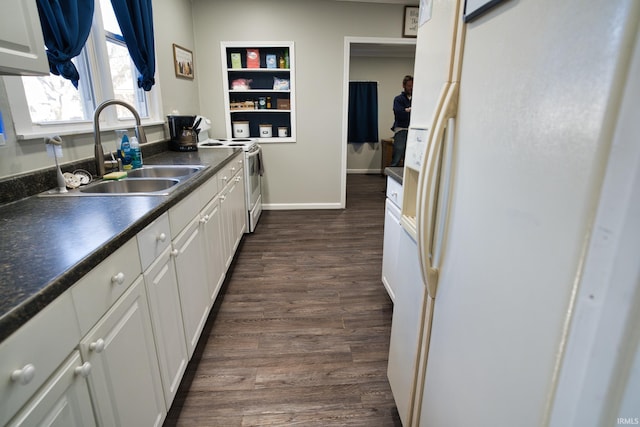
(125, 378)
(239, 208)
(31, 355)
(164, 304)
(233, 211)
(391, 272)
(391, 246)
(190, 261)
(212, 223)
(63, 401)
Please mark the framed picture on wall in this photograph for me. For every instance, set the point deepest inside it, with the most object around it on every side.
(410, 23)
(183, 62)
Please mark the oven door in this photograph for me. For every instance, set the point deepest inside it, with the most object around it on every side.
(253, 179)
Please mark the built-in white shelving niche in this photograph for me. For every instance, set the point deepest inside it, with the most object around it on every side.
(259, 88)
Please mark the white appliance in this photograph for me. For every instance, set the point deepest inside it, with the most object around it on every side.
(502, 185)
(253, 170)
(435, 79)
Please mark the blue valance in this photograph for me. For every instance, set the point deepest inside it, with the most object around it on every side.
(135, 18)
(65, 27)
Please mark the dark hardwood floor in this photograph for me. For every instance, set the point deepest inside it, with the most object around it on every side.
(300, 333)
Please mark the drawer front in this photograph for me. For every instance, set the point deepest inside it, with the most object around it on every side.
(230, 170)
(181, 214)
(208, 190)
(153, 240)
(34, 352)
(96, 292)
(394, 191)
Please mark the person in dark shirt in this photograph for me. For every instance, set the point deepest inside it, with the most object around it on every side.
(402, 115)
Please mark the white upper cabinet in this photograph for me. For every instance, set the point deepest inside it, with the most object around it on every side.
(21, 42)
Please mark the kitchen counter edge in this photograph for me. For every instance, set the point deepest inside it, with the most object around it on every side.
(397, 173)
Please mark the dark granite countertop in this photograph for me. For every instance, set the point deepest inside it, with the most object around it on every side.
(395, 172)
(48, 243)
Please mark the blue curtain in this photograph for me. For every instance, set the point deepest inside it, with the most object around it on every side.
(65, 27)
(135, 18)
(363, 112)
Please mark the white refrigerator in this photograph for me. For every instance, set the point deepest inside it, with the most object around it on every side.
(504, 197)
(436, 74)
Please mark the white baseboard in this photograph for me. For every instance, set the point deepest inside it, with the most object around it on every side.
(299, 206)
(363, 171)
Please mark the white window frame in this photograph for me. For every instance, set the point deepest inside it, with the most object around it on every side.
(102, 90)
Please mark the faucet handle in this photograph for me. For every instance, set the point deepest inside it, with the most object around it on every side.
(112, 165)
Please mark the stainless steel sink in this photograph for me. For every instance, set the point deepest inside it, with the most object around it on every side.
(156, 180)
(164, 171)
(131, 186)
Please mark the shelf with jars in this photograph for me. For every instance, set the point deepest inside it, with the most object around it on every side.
(259, 89)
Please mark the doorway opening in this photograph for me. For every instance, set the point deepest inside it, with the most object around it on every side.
(386, 61)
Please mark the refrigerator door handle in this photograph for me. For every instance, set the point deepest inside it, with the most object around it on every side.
(445, 185)
(430, 207)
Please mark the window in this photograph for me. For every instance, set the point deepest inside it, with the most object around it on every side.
(55, 99)
(46, 104)
(124, 76)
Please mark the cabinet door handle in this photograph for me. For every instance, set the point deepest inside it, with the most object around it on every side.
(25, 375)
(174, 253)
(224, 178)
(118, 279)
(83, 370)
(161, 237)
(233, 169)
(238, 179)
(204, 219)
(97, 346)
(222, 198)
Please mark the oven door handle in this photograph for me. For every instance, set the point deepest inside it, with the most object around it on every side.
(253, 153)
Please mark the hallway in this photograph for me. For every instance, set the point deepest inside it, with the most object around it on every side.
(300, 333)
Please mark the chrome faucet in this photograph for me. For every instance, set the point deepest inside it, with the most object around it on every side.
(101, 163)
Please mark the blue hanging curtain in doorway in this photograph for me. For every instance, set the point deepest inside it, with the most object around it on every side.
(135, 18)
(65, 27)
(363, 112)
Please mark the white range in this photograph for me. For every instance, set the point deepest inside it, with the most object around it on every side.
(252, 173)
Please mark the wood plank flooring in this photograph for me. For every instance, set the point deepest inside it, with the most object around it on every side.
(300, 333)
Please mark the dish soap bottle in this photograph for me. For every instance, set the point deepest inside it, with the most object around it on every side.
(136, 153)
(125, 152)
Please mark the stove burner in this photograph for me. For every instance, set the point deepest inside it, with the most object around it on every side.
(242, 140)
(236, 145)
(211, 144)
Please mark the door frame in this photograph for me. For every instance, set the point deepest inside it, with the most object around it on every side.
(348, 41)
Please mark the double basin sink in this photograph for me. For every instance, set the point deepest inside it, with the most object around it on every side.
(156, 180)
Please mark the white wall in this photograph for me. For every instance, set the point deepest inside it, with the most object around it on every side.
(306, 173)
(173, 24)
(388, 72)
